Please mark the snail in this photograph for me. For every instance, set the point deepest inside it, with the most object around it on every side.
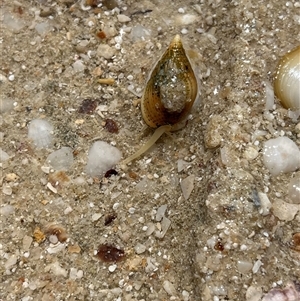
(287, 80)
(169, 95)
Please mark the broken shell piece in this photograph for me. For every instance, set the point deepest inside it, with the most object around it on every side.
(187, 186)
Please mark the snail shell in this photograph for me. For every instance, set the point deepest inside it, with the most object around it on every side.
(171, 89)
(169, 95)
(287, 80)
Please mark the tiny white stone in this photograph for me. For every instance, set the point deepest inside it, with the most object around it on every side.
(96, 216)
(68, 210)
(116, 205)
(45, 169)
(112, 268)
(102, 157)
(131, 210)
(50, 187)
(123, 18)
(53, 239)
(181, 10)
(11, 77)
(140, 248)
(184, 31)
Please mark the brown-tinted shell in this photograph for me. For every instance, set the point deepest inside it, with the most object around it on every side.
(171, 89)
(287, 80)
(169, 95)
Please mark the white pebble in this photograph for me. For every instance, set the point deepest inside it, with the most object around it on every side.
(131, 210)
(181, 10)
(140, 248)
(78, 66)
(184, 31)
(53, 239)
(102, 157)
(281, 155)
(123, 18)
(11, 77)
(40, 131)
(68, 210)
(116, 206)
(112, 268)
(61, 159)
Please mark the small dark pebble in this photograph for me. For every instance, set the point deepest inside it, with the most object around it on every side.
(109, 253)
(111, 126)
(110, 172)
(88, 106)
(101, 34)
(109, 219)
(219, 246)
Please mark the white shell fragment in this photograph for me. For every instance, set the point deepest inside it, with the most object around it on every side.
(61, 159)
(56, 269)
(281, 155)
(40, 131)
(187, 186)
(265, 204)
(160, 212)
(3, 155)
(284, 211)
(102, 157)
(169, 288)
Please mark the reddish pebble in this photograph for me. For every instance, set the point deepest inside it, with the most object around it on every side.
(101, 34)
(111, 126)
(88, 106)
(108, 253)
(109, 219)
